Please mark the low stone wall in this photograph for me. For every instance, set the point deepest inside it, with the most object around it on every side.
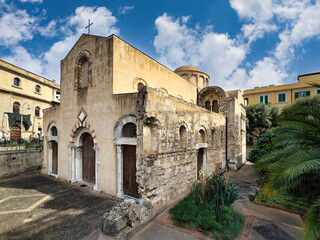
(14, 161)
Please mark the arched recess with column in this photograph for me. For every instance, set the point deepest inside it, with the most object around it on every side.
(53, 138)
(84, 152)
(202, 146)
(125, 139)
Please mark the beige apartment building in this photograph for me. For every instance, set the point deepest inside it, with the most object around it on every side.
(283, 95)
(26, 94)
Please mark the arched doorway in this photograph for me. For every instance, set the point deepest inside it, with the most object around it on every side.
(88, 158)
(200, 161)
(125, 135)
(130, 185)
(15, 132)
(54, 146)
(53, 137)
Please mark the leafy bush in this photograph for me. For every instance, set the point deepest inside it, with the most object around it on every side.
(208, 207)
(263, 146)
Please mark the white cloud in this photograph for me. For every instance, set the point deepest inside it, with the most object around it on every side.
(259, 11)
(23, 59)
(214, 53)
(124, 9)
(103, 24)
(16, 26)
(48, 64)
(265, 72)
(50, 30)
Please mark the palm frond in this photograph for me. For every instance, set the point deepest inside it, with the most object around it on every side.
(311, 225)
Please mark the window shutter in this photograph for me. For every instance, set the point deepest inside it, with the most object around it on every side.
(295, 95)
(261, 99)
(266, 99)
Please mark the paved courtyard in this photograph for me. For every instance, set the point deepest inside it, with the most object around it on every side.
(38, 207)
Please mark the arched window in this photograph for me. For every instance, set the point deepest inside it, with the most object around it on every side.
(201, 136)
(16, 108)
(150, 135)
(16, 82)
(37, 112)
(83, 72)
(212, 136)
(183, 136)
(208, 105)
(140, 86)
(215, 106)
(129, 130)
(37, 89)
(54, 131)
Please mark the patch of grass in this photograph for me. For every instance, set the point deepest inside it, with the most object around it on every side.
(283, 199)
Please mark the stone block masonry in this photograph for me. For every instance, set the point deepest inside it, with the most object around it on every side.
(15, 162)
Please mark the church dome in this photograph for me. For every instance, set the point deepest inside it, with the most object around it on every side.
(193, 75)
(187, 68)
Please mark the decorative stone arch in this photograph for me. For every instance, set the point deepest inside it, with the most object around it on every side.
(120, 142)
(117, 132)
(164, 90)
(151, 135)
(75, 147)
(50, 135)
(210, 98)
(136, 82)
(77, 126)
(182, 133)
(84, 58)
(52, 140)
(202, 149)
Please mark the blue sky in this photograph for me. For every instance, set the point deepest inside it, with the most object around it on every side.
(241, 44)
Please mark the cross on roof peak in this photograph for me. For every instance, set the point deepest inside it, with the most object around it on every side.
(89, 24)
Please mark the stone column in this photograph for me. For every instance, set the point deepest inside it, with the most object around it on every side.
(50, 155)
(204, 161)
(79, 163)
(120, 171)
(73, 164)
(97, 162)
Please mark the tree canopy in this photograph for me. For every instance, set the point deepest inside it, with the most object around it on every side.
(260, 118)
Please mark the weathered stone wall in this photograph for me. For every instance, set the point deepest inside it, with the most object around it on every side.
(15, 162)
(236, 140)
(169, 171)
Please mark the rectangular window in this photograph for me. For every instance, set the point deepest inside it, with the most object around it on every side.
(318, 91)
(301, 94)
(264, 99)
(282, 97)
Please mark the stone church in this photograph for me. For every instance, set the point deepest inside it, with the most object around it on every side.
(132, 128)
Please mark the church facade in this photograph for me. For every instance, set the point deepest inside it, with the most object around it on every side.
(130, 127)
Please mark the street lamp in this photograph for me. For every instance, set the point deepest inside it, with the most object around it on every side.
(28, 107)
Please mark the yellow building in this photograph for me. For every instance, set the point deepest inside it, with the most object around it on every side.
(23, 92)
(283, 95)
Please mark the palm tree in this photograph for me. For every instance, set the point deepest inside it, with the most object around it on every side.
(296, 158)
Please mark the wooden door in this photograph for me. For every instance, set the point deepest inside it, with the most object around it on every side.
(130, 185)
(15, 133)
(88, 159)
(199, 161)
(54, 157)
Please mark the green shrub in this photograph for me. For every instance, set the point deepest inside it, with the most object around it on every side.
(262, 146)
(208, 207)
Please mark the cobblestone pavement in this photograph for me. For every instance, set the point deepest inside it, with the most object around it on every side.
(34, 207)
